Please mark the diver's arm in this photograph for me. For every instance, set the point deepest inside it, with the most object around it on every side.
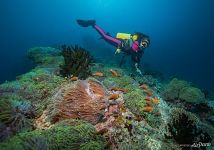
(119, 47)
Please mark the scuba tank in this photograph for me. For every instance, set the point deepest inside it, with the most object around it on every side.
(123, 36)
(126, 41)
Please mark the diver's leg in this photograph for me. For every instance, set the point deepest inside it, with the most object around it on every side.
(122, 61)
(111, 40)
(87, 23)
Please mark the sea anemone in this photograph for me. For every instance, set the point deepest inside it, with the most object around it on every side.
(81, 135)
(13, 117)
(182, 90)
(79, 100)
(6, 111)
(183, 128)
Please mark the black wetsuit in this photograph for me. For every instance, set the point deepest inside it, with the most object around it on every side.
(126, 48)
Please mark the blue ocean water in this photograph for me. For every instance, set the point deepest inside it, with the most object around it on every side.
(181, 32)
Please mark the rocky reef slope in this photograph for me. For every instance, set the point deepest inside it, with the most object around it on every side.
(107, 109)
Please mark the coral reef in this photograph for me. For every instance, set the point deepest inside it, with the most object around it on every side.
(76, 61)
(106, 109)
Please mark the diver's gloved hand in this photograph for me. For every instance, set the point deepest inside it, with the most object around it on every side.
(117, 51)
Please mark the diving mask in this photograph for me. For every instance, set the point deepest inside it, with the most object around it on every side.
(144, 43)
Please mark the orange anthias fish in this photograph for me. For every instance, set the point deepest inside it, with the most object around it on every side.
(73, 78)
(98, 74)
(149, 103)
(148, 98)
(158, 114)
(148, 92)
(119, 89)
(148, 109)
(144, 86)
(113, 96)
(114, 73)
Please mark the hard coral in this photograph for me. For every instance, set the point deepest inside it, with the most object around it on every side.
(76, 61)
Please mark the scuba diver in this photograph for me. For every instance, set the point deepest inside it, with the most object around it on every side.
(129, 44)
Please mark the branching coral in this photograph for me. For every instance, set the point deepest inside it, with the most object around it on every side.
(76, 61)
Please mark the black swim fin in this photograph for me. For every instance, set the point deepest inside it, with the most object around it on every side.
(86, 23)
